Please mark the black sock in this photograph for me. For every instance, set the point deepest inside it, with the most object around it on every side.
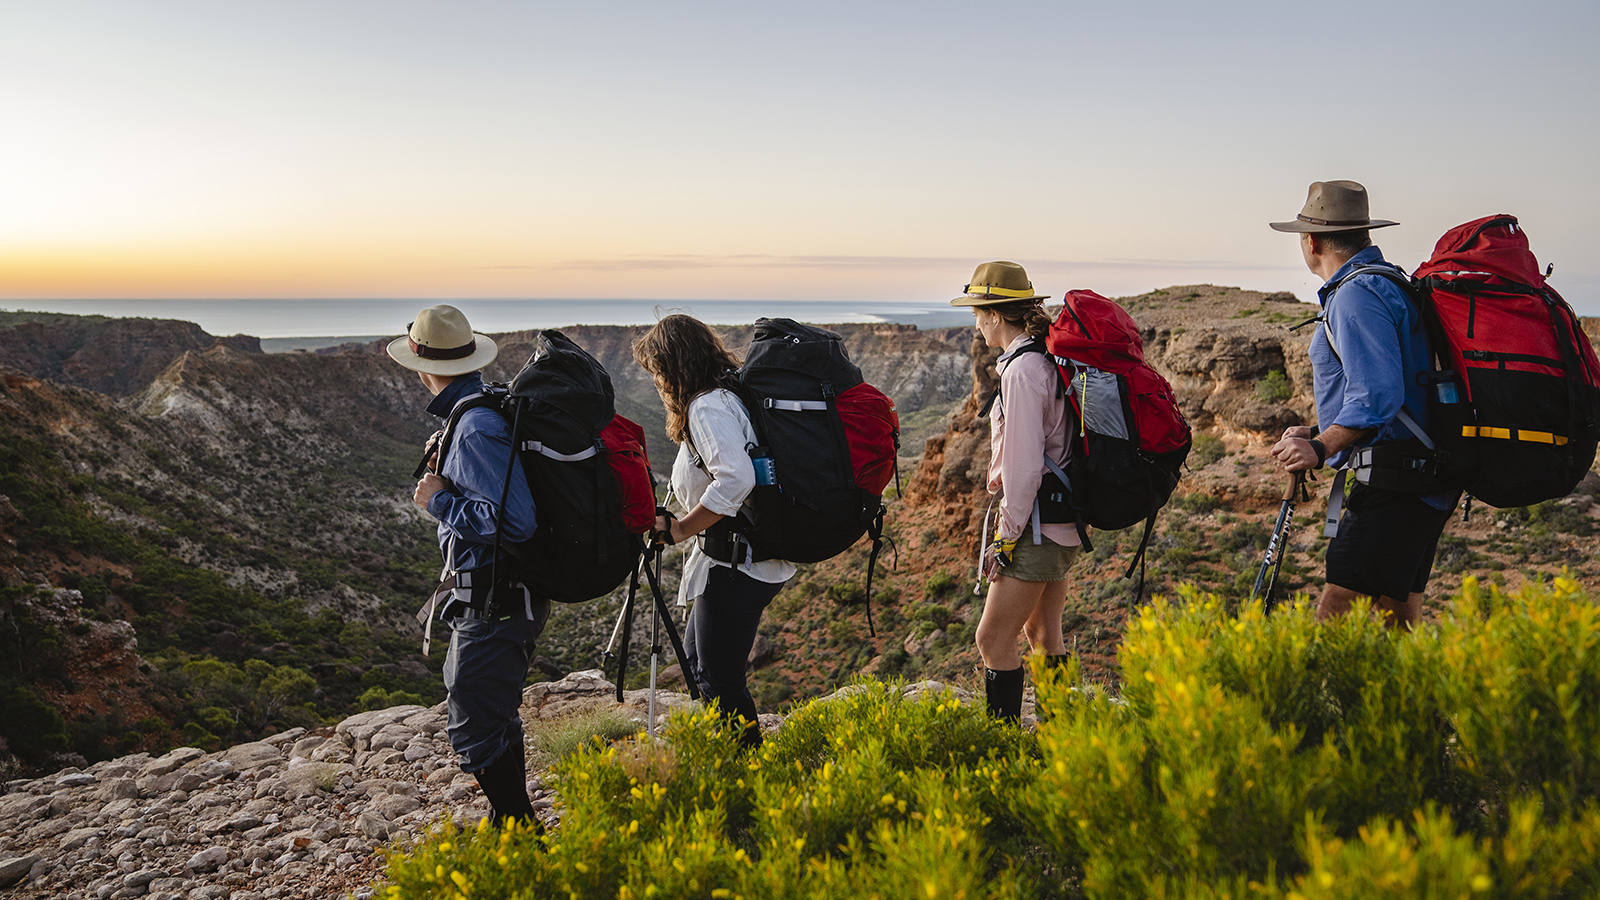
(1003, 691)
(1057, 660)
(505, 783)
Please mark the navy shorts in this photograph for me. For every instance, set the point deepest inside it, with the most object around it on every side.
(1385, 543)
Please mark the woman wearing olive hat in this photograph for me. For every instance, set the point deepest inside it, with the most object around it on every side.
(1025, 561)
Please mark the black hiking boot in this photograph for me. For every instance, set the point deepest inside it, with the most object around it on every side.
(505, 783)
(1003, 691)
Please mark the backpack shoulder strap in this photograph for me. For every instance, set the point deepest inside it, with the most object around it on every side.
(1384, 270)
(489, 399)
(1034, 346)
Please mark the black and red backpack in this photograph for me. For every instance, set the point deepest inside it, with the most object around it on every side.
(1514, 390)
(827, 447)
(1129, 439)
(585, 465)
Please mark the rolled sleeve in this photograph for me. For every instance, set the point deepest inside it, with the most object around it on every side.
(1367, 339)
(719, 439)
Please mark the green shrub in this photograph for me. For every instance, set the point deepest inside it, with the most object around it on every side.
(1274, 388)
(1247, 756)
(939, 584)
(1207, 449)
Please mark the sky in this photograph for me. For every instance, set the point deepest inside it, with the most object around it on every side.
(802, 151)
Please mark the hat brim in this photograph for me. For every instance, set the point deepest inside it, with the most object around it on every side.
(1299, 227)
(483, 353)
(970, 300)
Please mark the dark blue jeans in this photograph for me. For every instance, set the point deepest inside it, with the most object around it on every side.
(484, 673)
(718, 637)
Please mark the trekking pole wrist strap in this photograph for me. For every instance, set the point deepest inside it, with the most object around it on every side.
(1321, 451)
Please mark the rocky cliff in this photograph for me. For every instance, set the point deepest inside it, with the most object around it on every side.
(112, 356)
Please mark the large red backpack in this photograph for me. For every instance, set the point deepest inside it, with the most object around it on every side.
(1132, 438)
(1514, 395)
(1527, 410)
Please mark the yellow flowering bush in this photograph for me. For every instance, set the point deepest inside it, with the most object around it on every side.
(1247, 756)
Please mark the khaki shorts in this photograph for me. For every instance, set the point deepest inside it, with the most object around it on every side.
(1047, 561)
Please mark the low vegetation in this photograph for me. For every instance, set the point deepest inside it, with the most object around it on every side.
(1247, 756)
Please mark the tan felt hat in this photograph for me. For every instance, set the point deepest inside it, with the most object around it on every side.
(440, 342)
(998, 282)
(1333, 206)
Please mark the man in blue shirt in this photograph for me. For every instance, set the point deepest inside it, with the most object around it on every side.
(1365, 359)
(493, 619)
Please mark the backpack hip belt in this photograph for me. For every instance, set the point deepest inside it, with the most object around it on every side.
(726, 542)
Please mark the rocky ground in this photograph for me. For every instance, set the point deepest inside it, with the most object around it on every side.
(299, 814)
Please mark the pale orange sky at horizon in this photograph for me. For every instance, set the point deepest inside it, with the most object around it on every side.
(498, 150)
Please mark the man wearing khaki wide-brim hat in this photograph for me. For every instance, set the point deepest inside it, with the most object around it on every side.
(1365, 359)
(493, 620)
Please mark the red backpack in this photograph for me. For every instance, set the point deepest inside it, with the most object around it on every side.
(1131, 438)
(1516, 403)
(1514, 397)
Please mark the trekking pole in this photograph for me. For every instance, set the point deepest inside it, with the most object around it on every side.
(655, 652)
(1278, 546)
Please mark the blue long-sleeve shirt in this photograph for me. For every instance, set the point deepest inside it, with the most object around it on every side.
(475, 466)
(1382, 346)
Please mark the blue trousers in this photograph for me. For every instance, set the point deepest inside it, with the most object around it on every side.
(484, 673)
(718, 637)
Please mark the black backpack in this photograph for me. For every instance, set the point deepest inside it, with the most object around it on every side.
(827, 442)
(581, 461)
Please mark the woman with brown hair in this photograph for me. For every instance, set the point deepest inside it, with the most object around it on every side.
(1031, 549)
(711, 478)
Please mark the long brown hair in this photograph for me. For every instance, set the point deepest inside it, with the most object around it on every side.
(689, 359)
(1029, 315)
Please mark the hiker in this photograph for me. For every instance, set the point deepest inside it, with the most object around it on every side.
(1026, 562)
(712, 477)
(1365, 359)
(492, 625)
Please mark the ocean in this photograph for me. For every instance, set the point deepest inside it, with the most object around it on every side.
(290, 323)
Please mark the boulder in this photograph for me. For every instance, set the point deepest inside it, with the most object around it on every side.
(253, 755)
(171, 762)
(14, 869)
(207, 859)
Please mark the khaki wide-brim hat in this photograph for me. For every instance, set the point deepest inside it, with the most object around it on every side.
(1333, 206)
(998, 282)
(440, 342)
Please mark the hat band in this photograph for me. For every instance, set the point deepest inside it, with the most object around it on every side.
(991, 291)
(461, 352)
(1315, 221)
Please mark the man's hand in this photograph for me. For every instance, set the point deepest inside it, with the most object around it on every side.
(1295, 454)
(1303, 432)
(429, 485)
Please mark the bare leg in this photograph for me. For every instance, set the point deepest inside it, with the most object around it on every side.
(1043, 628)
(1336, 600)
(1009, 606)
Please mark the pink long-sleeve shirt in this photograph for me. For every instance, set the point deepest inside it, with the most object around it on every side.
(1028, 422)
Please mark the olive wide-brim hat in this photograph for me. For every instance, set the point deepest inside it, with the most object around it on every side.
(1333, 206)
(998, 282)
(440, 342)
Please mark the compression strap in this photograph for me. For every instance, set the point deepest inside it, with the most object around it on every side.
(795, 405)
(542, 450)
(1513, 434)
